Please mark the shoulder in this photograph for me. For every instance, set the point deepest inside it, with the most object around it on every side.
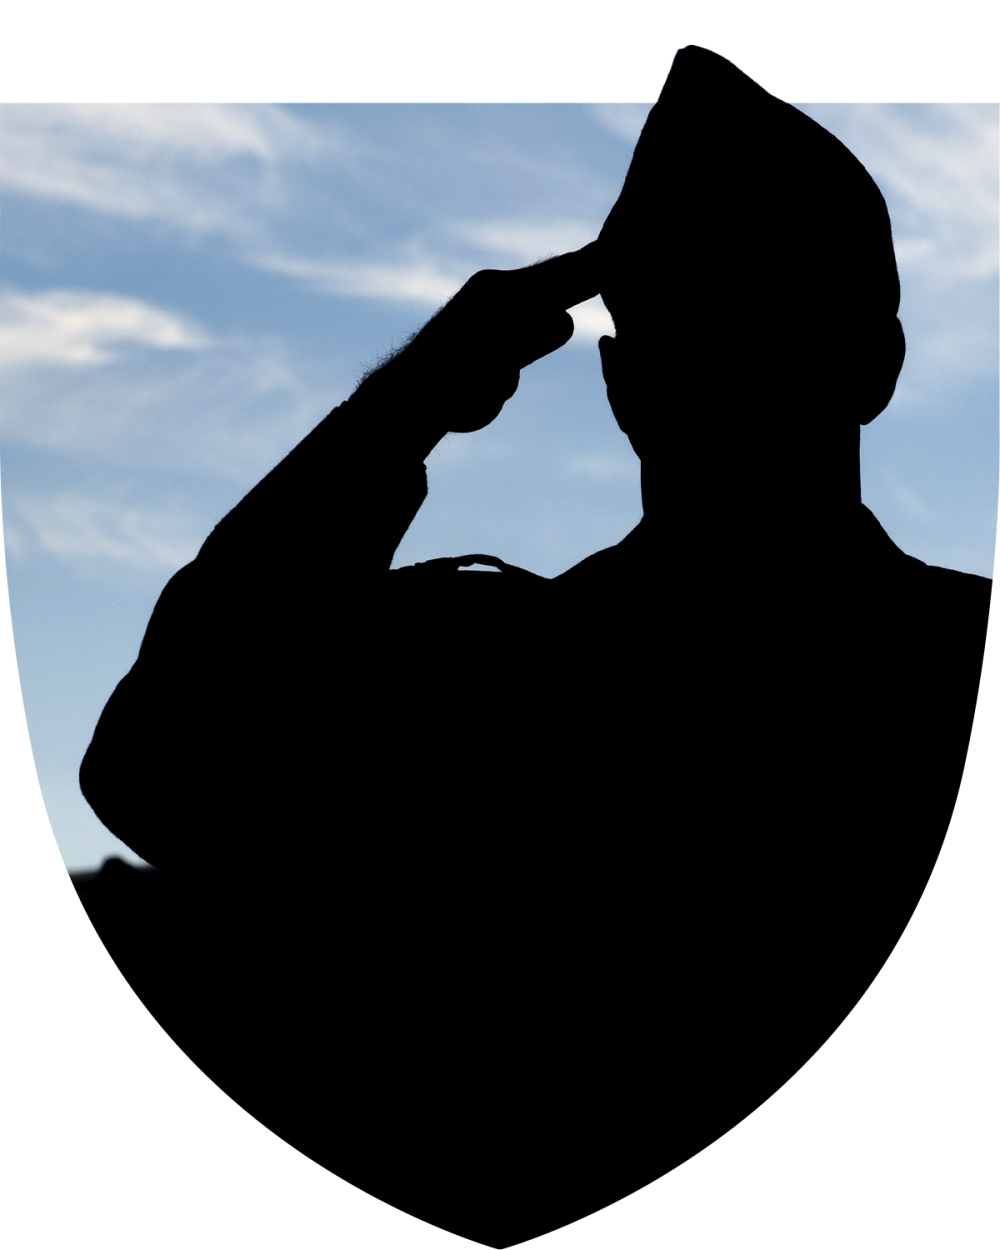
(921, 640)
(959, 587)
(939, 594)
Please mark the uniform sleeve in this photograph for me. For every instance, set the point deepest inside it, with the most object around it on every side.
(346, 494)
(255, 657)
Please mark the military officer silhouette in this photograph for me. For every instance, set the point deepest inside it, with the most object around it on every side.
(510, 731)
(500, 895)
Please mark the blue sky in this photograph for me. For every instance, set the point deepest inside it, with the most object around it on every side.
(188, 289)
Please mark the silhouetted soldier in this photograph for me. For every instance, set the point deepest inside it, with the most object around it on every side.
(499, 895)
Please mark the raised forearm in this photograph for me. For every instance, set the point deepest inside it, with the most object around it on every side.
(264, 643)
(343, 497)
(349, 490)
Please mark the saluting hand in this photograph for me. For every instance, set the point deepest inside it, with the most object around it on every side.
(467, 360)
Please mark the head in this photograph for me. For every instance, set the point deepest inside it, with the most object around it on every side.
(749, 268)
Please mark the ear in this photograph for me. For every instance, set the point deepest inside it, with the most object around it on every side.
(879, 362)
(859, 365)
(613, 379)
(625, 393)
(608, 348)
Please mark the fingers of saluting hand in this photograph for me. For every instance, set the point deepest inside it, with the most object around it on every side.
(522, 312)
(550, 285)
(499, 322)
(561, 281)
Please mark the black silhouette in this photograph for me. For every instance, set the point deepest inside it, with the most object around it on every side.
(576, 872)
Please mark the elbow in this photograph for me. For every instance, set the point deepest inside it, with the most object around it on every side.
(118, 778)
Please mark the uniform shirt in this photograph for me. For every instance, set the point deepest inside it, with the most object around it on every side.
(290, 681)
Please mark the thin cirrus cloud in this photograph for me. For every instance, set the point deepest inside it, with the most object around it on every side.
(429, 280)
(204, 167)
(77, 528)
(215, 166)
(85, 327)
(426, 275)
(230, 169)
(231, 411)
(526, 241)
(121, 381)
(937, 167)
(408, 281)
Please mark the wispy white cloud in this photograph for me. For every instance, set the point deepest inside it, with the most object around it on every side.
(201, 167)
(431, 282)
(425, 284)
(429, 279)
(230, 410)
(624, 120)
(77, 528)
(525, 241)
(408, 281)
(80, 327)
(938, 168)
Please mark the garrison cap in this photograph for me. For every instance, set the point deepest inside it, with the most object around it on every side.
(735, 197)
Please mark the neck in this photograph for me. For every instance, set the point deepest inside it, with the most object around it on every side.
(787, 490)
